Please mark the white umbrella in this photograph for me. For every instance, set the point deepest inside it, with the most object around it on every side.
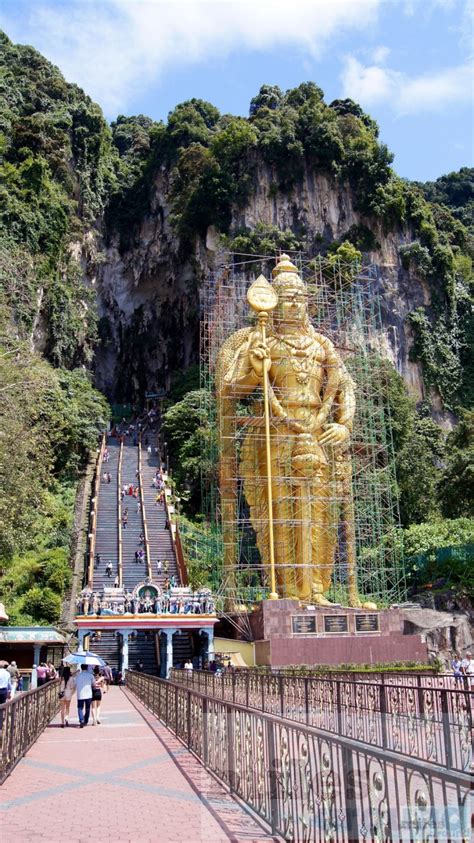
(84, 658)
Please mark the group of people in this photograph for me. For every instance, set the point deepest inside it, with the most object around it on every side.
(463, 670)
(89, 688)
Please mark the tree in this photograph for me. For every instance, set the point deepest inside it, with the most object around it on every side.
(456, 486)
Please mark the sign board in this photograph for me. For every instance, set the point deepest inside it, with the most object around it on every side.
(367, 623)
(336, 624)
(303, 624)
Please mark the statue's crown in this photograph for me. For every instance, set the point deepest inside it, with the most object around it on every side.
(285, 276)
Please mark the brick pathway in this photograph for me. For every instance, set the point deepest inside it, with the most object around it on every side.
(127, 779)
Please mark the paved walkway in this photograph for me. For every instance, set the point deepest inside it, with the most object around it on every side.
(127, 779)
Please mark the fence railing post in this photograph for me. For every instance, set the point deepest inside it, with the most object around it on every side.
(205, 748)
(306, 700)
(272, 775)
(446, 728)
(383, 713)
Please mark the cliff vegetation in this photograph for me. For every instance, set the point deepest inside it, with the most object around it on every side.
(104, 232)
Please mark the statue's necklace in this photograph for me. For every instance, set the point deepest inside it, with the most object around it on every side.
(301, 359)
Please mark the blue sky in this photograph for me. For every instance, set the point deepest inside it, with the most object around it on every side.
(408, 62)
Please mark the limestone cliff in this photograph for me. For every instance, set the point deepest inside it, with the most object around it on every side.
(148, 299)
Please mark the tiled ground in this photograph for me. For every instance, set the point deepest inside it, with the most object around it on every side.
(127, 779)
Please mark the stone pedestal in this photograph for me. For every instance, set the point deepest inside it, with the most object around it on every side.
(287, 634)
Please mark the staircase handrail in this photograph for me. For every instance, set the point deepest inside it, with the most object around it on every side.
(93, 511)
(119, 511)
(142, 506)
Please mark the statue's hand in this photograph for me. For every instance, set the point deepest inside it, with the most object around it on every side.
(259, 355)
(334, 434)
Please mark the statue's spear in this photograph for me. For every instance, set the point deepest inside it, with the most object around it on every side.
(262, 298)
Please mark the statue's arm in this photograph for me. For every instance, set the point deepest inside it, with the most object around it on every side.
(345, 402)
(240, 376)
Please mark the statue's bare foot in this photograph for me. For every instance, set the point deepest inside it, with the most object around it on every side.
(317, 596)
(356, 603)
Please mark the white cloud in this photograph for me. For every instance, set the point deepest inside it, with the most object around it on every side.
(380, 54)
(113, 48)
(427, 92)
(367, 85)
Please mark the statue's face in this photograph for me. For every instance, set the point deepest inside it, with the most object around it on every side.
(292, 307)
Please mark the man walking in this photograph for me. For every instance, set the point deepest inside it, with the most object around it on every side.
(14, 677)
(84, 695)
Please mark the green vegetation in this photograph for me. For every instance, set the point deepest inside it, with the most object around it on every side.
(188, 431)
(65, 175)
(378, 667)
(49, 419)
(56, 169)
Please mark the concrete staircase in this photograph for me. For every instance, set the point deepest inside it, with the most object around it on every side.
(107, 647)
(159, 539)
(106, 532)
(143, 647)
(131, 571)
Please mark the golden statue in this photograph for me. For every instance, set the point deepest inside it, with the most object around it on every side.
(294, 450)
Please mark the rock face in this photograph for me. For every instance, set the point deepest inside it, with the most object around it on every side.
(445, 632)
(148, 295)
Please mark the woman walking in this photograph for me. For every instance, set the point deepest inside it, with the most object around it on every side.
(66, 691)
(99, 687)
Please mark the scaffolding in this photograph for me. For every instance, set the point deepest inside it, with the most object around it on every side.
(355, 516)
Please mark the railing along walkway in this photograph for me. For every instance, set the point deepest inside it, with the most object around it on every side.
(310, 785)
(430, 724)
(22, 720)
(127, 779)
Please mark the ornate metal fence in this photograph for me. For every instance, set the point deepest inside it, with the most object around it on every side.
(427, 723)
(22, 720)
(309, 785)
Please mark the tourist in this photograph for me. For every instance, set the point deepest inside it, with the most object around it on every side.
(139, 506)
(108, 674)
(467, 668)
(141, 538)
(159, 567)
(125, 519)
(108, 569)
(99, 687)
(154, 483)
(5, 684)
(166, 566)
(41, 674)
(51, 672)
(188, 665)
(34, 678)
(109, 477)
(139, 666)
(84, 695)
(66, 691)
(117, 582)
(149, 450)
(97, 560)
(456, 665)
(137, 556)
(135, 491)
(14, 677)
